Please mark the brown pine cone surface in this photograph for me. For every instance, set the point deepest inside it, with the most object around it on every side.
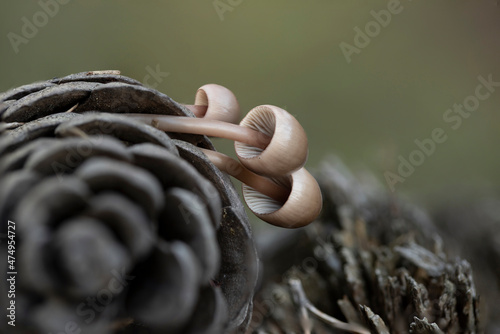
(120, 227)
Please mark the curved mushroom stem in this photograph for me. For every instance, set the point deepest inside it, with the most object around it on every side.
(214, 101)
(260, 183)
(208, 127)
(198, 110)
(221, 103)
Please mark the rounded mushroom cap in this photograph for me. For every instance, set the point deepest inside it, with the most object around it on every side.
(221, 102)
(301, 208)
(287, 151)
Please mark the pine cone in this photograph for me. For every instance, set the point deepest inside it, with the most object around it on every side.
(120, 228)
(375, 264)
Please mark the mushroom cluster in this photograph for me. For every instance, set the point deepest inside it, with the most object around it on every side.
(271, 147)
(121, 227)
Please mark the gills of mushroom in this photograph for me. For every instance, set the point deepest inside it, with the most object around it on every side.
(287, 150)
(302, 206)
(291, 201)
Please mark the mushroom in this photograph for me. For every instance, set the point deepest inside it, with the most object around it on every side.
(213, 101)
(290, 201)
(271, 146)
(269, 140)
(287, 150)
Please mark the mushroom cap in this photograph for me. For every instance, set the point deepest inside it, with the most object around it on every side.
(301, 208)
(221, 103)
(287, 150)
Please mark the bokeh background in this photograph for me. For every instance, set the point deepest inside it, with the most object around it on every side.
(287, 53)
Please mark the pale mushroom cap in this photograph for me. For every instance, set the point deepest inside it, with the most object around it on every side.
(221, 103)
(287, 151)
(301, 208)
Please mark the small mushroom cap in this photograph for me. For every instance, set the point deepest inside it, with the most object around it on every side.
(221, 103)
(301, 208)
(287, 150)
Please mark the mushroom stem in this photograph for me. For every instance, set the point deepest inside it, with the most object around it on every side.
(198, 110)
(206, 127)
(258, 182)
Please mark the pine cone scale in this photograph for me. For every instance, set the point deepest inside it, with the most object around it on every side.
(51, 100)
(102, 199)
(43, 127)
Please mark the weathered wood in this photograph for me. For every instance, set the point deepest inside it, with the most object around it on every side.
(376, 260)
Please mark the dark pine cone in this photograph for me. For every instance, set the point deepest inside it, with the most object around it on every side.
(373, 261)
(120, 228)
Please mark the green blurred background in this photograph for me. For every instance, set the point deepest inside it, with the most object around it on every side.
(287, 53)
